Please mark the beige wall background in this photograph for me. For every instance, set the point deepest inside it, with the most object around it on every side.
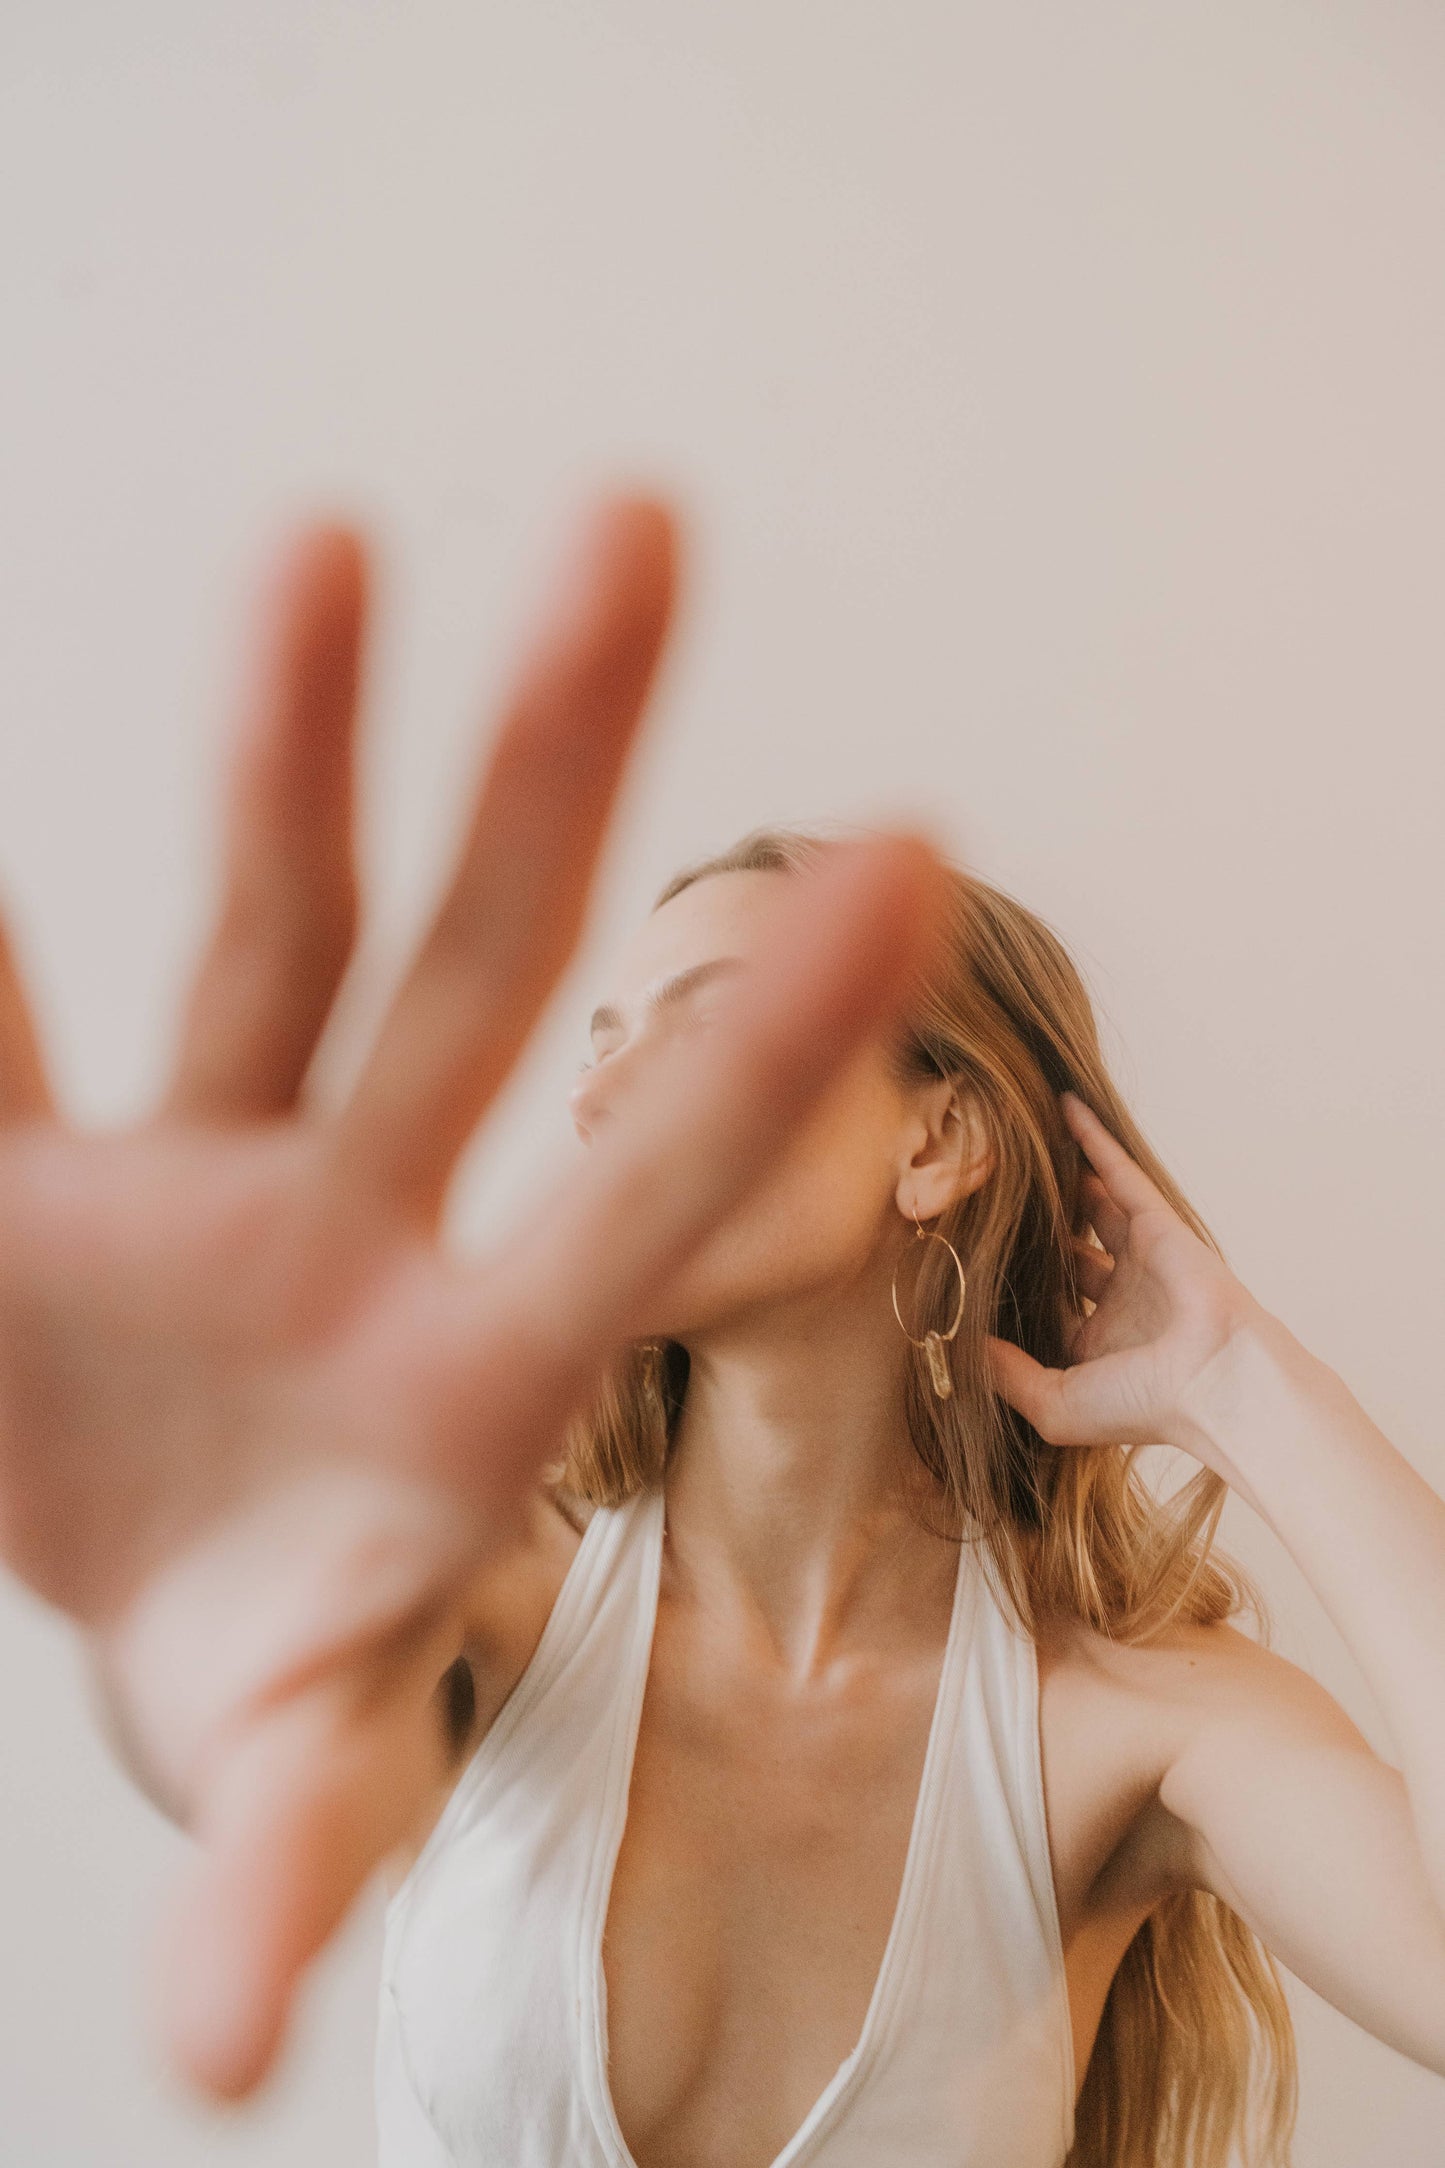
(1056, 396)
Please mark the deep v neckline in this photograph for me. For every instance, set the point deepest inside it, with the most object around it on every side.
(847, 2079)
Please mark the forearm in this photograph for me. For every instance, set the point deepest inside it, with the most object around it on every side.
(1365, 1529)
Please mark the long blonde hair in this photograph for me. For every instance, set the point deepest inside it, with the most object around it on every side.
(1195, 2050)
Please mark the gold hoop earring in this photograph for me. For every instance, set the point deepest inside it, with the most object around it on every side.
(933, 1342)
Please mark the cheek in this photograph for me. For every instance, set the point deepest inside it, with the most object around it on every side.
(819, 1215)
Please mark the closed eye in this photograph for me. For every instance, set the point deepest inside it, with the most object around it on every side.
(672, 993)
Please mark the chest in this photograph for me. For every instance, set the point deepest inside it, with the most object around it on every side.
(754, 1892)
(758, 1882)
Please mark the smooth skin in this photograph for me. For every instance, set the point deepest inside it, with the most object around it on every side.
(259, 1430)
(803, 1609)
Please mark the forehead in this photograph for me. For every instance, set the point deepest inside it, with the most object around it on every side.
(723, 914)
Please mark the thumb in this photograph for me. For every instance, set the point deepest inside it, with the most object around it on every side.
(303, 1806)
(1026, 1385)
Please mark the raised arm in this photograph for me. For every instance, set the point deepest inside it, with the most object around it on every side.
(1270, 1796)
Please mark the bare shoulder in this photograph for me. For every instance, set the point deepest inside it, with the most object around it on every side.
(1187, 1672)
(507, 1606)
(503, 1614)
(1116, 1717)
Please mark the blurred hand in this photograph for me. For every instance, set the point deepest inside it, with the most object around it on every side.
(257, 1428)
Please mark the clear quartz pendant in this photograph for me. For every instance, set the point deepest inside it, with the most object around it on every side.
(938, 1365)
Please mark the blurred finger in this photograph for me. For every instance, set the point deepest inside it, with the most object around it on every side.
(26, 1092)
(287, 918)
(304, 1807)
(511, 916)
(533, 1328)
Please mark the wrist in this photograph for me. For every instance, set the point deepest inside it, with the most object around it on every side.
(1249, 1399)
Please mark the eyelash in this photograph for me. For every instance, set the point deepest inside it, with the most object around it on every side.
(699, 1023)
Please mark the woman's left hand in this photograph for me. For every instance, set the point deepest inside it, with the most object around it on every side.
(1166, 1305)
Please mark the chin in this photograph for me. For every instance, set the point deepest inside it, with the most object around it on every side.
(684, 1326)
(694, 1310)
(731, 1311)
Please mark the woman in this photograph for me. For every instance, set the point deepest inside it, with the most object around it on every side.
(871, 1773)
(761, 1715)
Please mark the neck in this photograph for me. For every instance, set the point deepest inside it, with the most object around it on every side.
(793, 1491)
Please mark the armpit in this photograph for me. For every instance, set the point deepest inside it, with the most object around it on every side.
(457, 1694)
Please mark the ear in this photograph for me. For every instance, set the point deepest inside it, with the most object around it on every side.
(946, 1152)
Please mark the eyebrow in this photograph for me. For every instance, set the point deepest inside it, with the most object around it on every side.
(667, 992)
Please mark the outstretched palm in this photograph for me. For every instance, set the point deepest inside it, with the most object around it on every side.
(256, 1426)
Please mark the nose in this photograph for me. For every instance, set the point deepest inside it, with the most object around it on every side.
(601, 1090)
(579, 1104)
(587, 1103)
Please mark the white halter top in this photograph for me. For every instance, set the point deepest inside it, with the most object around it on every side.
(492, 2035)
